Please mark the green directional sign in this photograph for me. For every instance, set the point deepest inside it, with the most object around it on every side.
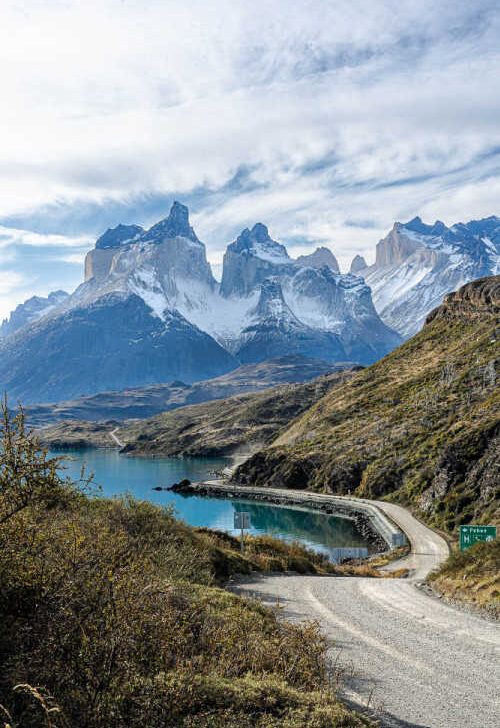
(469, 535)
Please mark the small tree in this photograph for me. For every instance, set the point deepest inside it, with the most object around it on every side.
(27, 474)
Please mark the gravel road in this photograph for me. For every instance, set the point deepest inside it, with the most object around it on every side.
(414, 659)
(115, 438)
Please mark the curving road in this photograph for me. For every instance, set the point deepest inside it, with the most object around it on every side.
(413, 659)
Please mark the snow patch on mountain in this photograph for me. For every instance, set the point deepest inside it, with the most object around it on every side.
(31, 310)
(417, 265)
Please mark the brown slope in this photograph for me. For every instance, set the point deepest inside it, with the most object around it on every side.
(421, 426)
(223, 427)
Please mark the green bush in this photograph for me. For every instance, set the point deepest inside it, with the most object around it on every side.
(110, 617)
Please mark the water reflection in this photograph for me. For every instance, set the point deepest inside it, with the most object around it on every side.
(116, 475)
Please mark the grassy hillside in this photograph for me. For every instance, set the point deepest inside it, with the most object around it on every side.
(110, 616)
(78, 434)
(421, 426)
(240, 423)
(226, 426)
(472, 576)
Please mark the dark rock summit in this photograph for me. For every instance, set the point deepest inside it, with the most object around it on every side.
(173, 226)
(114, 237)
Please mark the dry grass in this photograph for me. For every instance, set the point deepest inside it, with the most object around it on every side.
(110, 617)
(264, 553)
(472, 576)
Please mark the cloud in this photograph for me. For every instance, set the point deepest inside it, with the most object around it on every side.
(15, 236)
(309, 116)
(72, 258)
(9, 281)
(36, 264)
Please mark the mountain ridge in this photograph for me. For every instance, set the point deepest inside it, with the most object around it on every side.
(163, 273)
(417, 264)
(148, 401)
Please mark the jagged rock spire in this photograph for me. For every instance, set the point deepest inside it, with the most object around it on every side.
(173, 226)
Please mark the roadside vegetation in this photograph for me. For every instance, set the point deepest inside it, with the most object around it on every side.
(472, 576)
(111, 617)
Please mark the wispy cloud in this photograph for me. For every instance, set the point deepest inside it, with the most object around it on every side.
(15, 236)
(309, 116)
(35, 264)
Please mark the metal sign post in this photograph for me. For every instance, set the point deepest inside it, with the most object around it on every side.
(242, 521)
(469, 535)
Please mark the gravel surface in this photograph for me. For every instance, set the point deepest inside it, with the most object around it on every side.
(414, 659)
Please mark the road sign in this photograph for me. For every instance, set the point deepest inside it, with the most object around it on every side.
(469, 535)
(241, 519)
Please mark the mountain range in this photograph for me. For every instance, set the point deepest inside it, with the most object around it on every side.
(417, 264)
(31, 310)
(150, 311)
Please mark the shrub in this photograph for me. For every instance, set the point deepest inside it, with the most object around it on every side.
(109, 617)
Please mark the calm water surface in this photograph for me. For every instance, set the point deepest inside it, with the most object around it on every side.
(116, 474)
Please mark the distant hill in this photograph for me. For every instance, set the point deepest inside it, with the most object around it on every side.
(421, 426)
(236, 425)
(143, 402)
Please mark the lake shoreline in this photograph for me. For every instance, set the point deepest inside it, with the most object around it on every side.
(380, 534)
(149, 479)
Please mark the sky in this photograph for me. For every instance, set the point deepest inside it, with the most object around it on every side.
(327, 120)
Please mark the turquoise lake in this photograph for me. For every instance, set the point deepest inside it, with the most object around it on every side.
(115, 474)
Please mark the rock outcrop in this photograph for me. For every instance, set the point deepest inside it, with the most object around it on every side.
(321, 257)
(358, 264)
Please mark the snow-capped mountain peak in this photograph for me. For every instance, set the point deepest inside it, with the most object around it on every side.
(250, 259)
(418, 264)
(272, 306)
(258, 243)
(150, 309)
